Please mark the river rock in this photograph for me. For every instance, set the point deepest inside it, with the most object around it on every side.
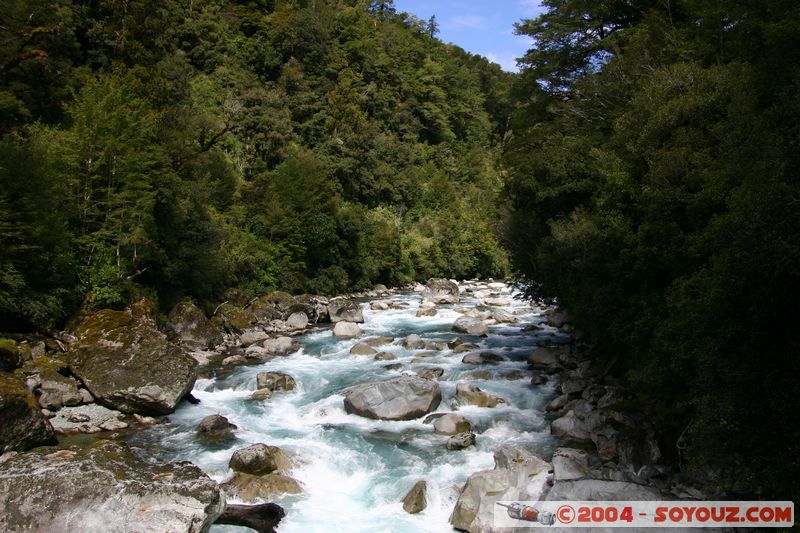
(379, 305)
(128, 364)
(260, 395)
(347, 330)
(600, 490)
(402, 398)
(496, 302)
(89, 418)
(416, 498)
(426, 311)
(504, 317)
(385, 356)
(461, 441)
(259, 459)
(343, 310)
(557, 403)
(546, 359)
(482, 358)
(192, 328)
(275, 381)
(464, 347)
(430, 372)
(569, 464)
(518, 481)
(470, 326)
(56, 391)
(22, 425)
(538, 379)
(278, 345)
(451, 424)
(573, 427)
(234, 318)
(216, 428)
(362, 348)
(413, 342)
(441, 291)
(378, 341)
(250, 488)
(469, 394)
(297, 321)
(251, 336)
(103, 486)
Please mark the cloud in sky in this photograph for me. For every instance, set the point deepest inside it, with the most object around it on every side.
(468, 21)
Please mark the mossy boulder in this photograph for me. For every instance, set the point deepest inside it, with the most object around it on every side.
(192, 328)
(10, 355)
(22, 425)
(104, 487)
(233, 318)
(250, 488)
(129, 365)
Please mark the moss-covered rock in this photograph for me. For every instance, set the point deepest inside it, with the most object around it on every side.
(233, 318)
(10, 356)
(22, 425)
(129, 365)
(104, 487)
(192, 328)
(249, 488)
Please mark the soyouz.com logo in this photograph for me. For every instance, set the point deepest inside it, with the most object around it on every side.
(643, 514)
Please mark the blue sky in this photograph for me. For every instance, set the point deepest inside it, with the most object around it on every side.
(479, 26)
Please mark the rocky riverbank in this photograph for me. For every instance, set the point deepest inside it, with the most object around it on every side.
(120, 371)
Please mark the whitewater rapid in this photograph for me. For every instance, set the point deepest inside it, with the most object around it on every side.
(355, 471)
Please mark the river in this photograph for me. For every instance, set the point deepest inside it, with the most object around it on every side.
(355, 471)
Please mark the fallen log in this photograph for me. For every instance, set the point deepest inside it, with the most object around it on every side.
(264, 518)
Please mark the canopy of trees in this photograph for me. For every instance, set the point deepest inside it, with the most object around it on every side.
(185, 147)
(653, 174)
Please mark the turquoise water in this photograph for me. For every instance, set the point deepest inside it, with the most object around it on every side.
(355, 471)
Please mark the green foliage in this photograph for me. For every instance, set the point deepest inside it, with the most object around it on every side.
(653, 181)
(185, 148)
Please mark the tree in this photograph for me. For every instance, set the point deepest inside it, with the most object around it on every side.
(433, 27)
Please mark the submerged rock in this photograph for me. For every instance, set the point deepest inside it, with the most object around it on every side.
(461, 441)
(22, 425)
(416, 498)
(413, 342)
(275, 381)
(216, 428)
(362, 348)
(104, 487)
(441, 291)
(402, 398)
(430, 372)
(451, 424)
(127, 364)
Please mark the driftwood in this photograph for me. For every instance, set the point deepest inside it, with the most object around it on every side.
(264, 518)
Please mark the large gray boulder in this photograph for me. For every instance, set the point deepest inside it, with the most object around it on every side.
(128, 365)
(22, 425)
(402, 398)
(104, 487)
(343, 310)
(57, 391)
(192, 328)
(522, 478)
(275, 381)
(569, 464)
(347, 330)
(470, 326)
(416, 498)
(468, 394)
(441, 291)
(600, 490)
(259, 459)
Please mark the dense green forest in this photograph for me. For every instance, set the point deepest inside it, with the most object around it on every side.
(653, 173)
(186, 147)
(641, 168)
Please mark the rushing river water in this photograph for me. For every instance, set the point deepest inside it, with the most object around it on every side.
(355, 471)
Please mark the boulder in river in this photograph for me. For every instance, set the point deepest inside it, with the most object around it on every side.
(469, 394)
(259, 459)
(431, 372)
(22, 425)
(413, 342)
(441, 291)
(347, 330)
(385, 356)
(104, 487)
(250, 488)
(497, 302)
(297, 321)
(426, 311)
(546, 359)
(216, 428)
(451, 424)
(523, 478)
(461, 441)
(275, 381)
(192, 328)
(278, 345)
(416, 498)
(128, 364)
(344, 310)
(401, 398)
(362, 348)
(470, 326)
(482, 358)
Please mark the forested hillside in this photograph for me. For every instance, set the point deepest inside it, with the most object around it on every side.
(654, 179)
(182, 148)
